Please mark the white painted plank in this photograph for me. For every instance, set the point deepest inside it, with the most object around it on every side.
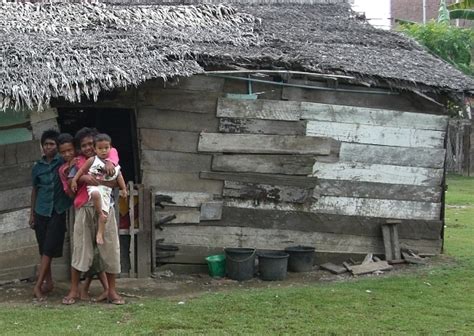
(211, 210)
(378, 173)
(378, 135)
(391, 155)
(186, 198)
(259, 109)
(372, 116)
(259, 143)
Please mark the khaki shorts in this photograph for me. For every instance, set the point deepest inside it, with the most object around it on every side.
(85, 230)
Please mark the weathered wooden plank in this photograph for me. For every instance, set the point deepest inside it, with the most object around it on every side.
(355, 188)
(16, 176)
(180, 182)
(260, 126)
(50, 113)
(286, 180)
(176, 121)
(144, 237)
(265, 192)
(211, 210)
(186, 198)
(23, 256)
(197, 83)
(377, 208)
(188, 216)
(371, 267)
(372, 116)
(378, 135)
(279, 239)
(179, 100)
(320, 222)
(256, 143)
(271, 164)
(19, 273)
(403, 101)
(17, 239)
(164, 161)
(15, 198)
(21, 152)
(333, 268)
(165, 140)
(39, 127)
(14, 220)
(259, 109)
(399, 156)
(264, 90)
(378, 173)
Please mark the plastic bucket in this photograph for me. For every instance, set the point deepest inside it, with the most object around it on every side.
(301, 258)
(216, 264)
(273, 265)
(240, 263)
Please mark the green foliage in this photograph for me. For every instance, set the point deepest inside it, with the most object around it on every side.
(452, 44)
(465, 14)
(443, 13)
(464, 4)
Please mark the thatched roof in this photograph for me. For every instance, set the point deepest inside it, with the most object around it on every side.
(73, 50)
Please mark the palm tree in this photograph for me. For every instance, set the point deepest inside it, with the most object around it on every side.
(461, 10)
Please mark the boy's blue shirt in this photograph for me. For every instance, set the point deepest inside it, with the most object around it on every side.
(50, 194)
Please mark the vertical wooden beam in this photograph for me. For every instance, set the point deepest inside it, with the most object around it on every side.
(153, 234)
(144, 234)
(466, 147)
(387, 242)
(131, 212)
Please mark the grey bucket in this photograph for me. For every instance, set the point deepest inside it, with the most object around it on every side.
(240, 263)
(301, 258)
(272, 265)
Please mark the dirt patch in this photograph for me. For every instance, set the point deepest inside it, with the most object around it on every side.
(182, 287)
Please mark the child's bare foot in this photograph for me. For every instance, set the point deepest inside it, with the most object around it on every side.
(102, 297)
(84, 294)
(47, 287)
(37, 293)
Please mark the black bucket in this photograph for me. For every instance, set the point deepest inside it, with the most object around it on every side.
(273, 265)
(301, 258)
(240, 263)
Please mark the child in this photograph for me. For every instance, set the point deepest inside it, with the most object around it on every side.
(100, 195)
(68, 153)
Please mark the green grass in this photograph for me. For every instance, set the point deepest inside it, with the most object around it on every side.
(435, 300)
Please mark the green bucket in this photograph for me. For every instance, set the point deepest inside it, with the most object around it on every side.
(216, 265)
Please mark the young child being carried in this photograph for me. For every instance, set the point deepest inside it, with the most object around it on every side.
(100, 195)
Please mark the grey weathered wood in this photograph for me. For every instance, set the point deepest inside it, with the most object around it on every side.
(21, 152)
(259, 109)
(259, 126)
(296, 181)
(211, 210)
(179, 100)
(153, 229)
(131, 229)
(270, 164)
(390, 155)
(14, 220)
(18, 273)
(165, 161)
(191, 216)
(39, 127)
(181, 182)
(336, 269)
(351, 188)
(390, 240)
(256, 143)
(15, 198)
(266, 192)
(165, 140)
(16, 176)
(19, 238)
(144, 236)
(412, 259)
(176, 121)
(186, 198)
(196, 83)
(19, 257)
(319, 222)
(372, 116)
(371, 267)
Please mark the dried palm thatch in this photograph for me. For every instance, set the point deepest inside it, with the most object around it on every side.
(79, 49)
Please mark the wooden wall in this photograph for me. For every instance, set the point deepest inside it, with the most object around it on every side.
(295, 166)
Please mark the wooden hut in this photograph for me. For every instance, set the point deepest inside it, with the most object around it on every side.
(266, 130)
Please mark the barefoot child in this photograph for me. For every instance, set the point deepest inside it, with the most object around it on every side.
(100, 195)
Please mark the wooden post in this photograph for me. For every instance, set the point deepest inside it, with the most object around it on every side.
(144, 238)
(131, 212)
(390, 240)
(153, 234)
(466, 147)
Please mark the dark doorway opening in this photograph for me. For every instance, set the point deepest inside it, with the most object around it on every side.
(118, 123)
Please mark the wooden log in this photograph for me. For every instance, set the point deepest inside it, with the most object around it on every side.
(265, 192)
(176, 121)
(186, 198)
(14, 220)
(372, 116)
(211, 211)
(164, 140)
(259, 109)
(271, 239)
(259, 126)
(389, 155)
(164, 161)
(256, 143)
(179, 100)
(180, 182)
(270, 164)
(189, 216)
(371, 267)
(378, 173)
(16, 176)
(377, 135)
(286, 180)
(15, 198)
(351, 188)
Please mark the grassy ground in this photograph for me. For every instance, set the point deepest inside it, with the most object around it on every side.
(435, 300)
